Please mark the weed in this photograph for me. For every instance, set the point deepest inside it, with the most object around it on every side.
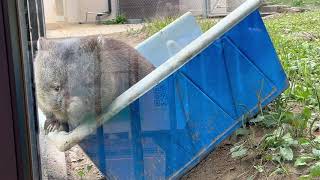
(120, 19)
(155, 25)
(296, 3)
(290, 119)
(84, 171)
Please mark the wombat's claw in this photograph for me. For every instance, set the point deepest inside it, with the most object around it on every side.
(51, 126)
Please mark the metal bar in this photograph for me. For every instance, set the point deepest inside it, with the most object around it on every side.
(33, 24)
(41, 18)
(22, 101)
(24, 38)
(8, 163)
(205, 8)
(65, 141)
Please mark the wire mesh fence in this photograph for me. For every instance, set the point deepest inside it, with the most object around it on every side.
(145, 9)
(148, 9)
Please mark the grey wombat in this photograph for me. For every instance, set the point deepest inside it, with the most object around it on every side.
(77, 76)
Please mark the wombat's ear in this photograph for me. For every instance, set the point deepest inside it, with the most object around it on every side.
(101, 41)
(44, 44)
(88, 44)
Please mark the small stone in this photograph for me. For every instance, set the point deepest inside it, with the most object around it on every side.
(76, 159)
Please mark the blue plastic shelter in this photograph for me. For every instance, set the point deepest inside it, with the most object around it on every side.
(172, 127)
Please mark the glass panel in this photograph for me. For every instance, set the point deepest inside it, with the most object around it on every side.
(94, 51)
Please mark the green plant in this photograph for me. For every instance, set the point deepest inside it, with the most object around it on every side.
(120, 19)
(290, 119)
(84, 171)
(297, 3)
(155, 25)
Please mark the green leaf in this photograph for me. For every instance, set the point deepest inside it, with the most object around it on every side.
(304, 142)
(289, 140)
(259, 168)
(287, 117)
(303, 160)
(239, 154)
(315, 170)
(268, 157)
(305, 177)
(236, 148)
(299, 162)
(242, 132)
(270, 122)
(81, 173)
(251, 177)
(316, 140)
(89, 167)
(316, 152)
(257, 119)
(276, 158)
(277, 171)
(286, 153)
(238, 151)
(306, 113)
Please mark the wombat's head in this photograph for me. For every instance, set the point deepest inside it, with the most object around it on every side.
(64, 74)
(51, 75)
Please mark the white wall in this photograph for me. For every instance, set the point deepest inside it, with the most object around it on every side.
(233, 4)
(217, 7)
(75, 10)
(49, 11)
(191, 5)
(72, 11)
(92, 5)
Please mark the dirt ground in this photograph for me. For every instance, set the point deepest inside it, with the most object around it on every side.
(217, 165)
(220, 165)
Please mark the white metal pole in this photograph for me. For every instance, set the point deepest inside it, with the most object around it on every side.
(205, 8)
(65, 141)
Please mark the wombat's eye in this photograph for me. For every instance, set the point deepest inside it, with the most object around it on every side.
(56, 88)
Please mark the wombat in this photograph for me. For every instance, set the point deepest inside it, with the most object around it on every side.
(77, 76)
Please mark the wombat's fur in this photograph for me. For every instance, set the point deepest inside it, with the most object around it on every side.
(83, 75)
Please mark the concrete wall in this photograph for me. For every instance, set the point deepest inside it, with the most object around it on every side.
(74, 11)
(49, 10)
(213, 6)
(233, 4)
(194, 6)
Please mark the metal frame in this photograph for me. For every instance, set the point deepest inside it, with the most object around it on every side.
(18, 109)
(65, 141)
(8, 163)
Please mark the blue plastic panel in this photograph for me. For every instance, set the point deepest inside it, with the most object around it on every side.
(166, 43)
(173, 126)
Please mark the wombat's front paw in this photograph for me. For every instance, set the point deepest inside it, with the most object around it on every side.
(52, 125)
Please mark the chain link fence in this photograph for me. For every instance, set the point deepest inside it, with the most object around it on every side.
(148, 9)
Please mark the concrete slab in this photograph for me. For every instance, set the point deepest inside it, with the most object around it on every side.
(62, 30)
